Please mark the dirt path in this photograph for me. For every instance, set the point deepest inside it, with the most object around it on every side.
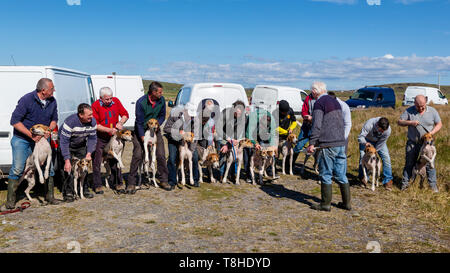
(224, 218)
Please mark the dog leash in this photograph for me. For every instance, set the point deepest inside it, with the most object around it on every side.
(22, 207)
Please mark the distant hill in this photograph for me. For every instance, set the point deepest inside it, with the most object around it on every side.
(170, 89)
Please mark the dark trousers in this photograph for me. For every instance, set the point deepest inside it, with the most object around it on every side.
(248, 152)
(138, 156)
(116, 173)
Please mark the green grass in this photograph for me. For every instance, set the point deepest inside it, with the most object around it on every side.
(209, 232)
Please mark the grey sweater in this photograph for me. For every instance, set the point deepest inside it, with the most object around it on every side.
(328, 123)
(369, 133)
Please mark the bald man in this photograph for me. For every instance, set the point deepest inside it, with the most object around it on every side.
(420, 119)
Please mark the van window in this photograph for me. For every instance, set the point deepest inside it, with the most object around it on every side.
(265, 95)
(225, 96)
(70, 91)
(363, 95)
(441, 95)
(185, 95)
(177, 100)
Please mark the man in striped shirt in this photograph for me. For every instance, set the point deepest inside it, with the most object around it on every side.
(78, 138)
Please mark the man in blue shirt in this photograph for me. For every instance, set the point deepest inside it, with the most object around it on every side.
(37, 107)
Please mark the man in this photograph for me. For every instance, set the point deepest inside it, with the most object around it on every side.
(376, 131)
(328, 135)
(181, 120)
(234, 121)
(106, 112)
(37, 107)
(150, 105)
(287, 121)
(78, 138)
(420, 119)
(305, 130)
(347, 118)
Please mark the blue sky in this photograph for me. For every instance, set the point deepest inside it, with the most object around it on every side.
(346, 43)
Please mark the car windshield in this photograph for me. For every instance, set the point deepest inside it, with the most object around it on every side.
(363, 95)
(441, 95)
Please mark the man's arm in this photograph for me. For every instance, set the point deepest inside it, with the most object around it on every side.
(123, 113)
(92, 140)
(364, 131)
(436, 128)
(317, 126)
(162, 113)
(139, 120)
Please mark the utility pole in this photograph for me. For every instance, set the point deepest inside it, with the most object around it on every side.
(12, 58)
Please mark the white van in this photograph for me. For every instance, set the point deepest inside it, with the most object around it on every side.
(71, 88)
(271, 95)
(434, 95)
(128, 89)
(224, 93)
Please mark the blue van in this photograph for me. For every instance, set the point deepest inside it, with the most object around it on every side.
(372, 97)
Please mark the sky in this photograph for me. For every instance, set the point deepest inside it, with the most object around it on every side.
(345, 43)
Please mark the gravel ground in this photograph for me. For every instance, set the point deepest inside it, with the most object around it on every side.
(224, 218)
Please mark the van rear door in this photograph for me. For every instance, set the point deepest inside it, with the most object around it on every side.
(265, 95)
(128, 91)
(14, 84)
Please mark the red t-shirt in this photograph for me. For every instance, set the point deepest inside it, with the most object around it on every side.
(108, 116)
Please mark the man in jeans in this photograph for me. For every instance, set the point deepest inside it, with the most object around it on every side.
(78, 139)
(107, 111)
(328, 135)
(420, 119)
(376, 131)
(37, 107)
(150, 105)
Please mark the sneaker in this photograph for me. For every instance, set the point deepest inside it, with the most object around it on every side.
(388, 185)
(435, 189)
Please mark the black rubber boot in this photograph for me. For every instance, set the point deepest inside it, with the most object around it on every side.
(345, 192)
(325, 204)
(13, 184)
(86, 191)
(50, 196)
(294, 158)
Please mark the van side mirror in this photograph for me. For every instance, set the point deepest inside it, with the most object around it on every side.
(170, 104)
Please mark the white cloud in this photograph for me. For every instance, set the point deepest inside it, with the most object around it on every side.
(339, 71)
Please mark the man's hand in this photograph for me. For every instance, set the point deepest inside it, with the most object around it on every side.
(112, 131)
(258, 147)
(308, 118)
(67, 166)
(234, 142)
(224, 149)
(142, 139)
(310, 149)
(47, 134)
(290, 131)
(88, 157)
(119, 126)
(414, 123)
(367, 144)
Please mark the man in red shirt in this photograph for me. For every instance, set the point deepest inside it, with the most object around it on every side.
(106, 111)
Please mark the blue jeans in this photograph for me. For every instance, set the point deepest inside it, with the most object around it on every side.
(303, 138)
(333, 162)
(21, 150)
(172, 163)
(383, 152)
(412, 152)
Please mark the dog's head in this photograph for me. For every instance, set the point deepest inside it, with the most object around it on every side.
(188, 137)
(245, 143)
(371, 152)
(125, 135)
(153, 124)
(213, 159)
(292, 138)
(39, 129)
(83, 165)
(428, 139)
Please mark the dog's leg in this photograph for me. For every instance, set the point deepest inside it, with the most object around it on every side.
(238, 171)
(302, 169)
(191, 177)
(83, 175)
(252, 172)
(229, 162)
(145, 151)
(38, 167)
(316, 162)
(119, 160)
(364, 180)
(200, 173)
(283, 164)
(75, 185)
(154, 165)
(273, 169)
(183, 178)
(47, 166)
(291, 159)
(211, 174)
(374, 172)
(31, 183)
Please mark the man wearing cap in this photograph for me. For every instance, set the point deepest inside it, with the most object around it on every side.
(420, 119)
(181, 120)
(151, 105)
